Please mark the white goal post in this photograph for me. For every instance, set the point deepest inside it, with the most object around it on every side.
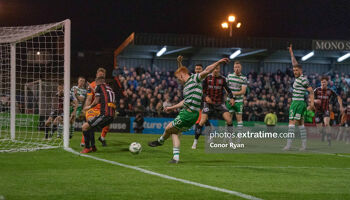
(34, 60)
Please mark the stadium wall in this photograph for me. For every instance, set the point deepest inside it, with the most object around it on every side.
(171, 65)
(154, 125)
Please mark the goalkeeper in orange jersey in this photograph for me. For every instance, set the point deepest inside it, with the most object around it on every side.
(95, 111)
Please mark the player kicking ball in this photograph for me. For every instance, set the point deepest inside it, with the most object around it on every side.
(191, 104)
(104, 95)
(298, 107)
(325, 95)
(198, 68)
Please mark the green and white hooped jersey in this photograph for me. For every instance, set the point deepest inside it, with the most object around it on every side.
(80, 92)
(300, 86)
(235, 83)
(193, 92)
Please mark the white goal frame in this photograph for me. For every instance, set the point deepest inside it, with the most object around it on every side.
(13, 37)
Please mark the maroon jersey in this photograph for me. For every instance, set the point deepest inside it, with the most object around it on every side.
(325, 95)
(347, 110)
(60, 103)
(107, 99)
(213, 87)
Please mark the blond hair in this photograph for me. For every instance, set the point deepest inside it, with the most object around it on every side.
(101, 69)
(181, 70)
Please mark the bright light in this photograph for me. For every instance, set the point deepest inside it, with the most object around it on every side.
(38, 53)
(231, 18)
(235, 54)
(239, 24)
(342, 58)
(307, 56)
(224, 25)
(161, 52)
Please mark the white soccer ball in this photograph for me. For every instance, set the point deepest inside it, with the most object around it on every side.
(135, 148)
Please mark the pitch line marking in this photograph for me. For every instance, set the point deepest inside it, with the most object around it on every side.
(232, 192)
(266, 167)
(331, 154)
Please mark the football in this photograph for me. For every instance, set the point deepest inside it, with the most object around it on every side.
(135, 148)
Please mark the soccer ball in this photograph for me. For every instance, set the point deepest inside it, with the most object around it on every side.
(135, 148)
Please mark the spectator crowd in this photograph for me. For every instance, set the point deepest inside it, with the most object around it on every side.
(147, 92)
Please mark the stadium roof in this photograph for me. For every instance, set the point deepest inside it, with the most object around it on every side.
(199, 47)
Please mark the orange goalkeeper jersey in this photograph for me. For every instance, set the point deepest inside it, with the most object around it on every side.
(91, 92)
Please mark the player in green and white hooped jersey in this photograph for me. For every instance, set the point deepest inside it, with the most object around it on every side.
(78, 92)
(191, 105)
(298, 107)
(237, 82)
(77, 95)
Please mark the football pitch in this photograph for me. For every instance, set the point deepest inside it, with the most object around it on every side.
(59, 174)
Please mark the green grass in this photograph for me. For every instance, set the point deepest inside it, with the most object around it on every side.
(57, 174)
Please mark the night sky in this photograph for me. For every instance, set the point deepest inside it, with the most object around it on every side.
(99, 24)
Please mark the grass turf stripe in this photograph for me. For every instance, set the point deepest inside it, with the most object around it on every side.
(232, 192)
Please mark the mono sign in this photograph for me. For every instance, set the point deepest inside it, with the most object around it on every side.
(331, 45)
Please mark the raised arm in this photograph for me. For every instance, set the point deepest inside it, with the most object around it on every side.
(179, 61)
(211, 68)
(294, 61)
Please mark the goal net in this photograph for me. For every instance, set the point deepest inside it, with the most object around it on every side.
(34, 87)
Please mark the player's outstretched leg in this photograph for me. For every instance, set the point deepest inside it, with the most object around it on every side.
(169, 130)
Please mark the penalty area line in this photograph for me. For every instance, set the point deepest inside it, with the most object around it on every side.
(331, 154)
(232, 192)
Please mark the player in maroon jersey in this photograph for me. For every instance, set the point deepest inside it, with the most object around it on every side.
(214, 103)
(56, 112)
(105, 96)
(347, 112)
(347, 123)
(325, 95)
